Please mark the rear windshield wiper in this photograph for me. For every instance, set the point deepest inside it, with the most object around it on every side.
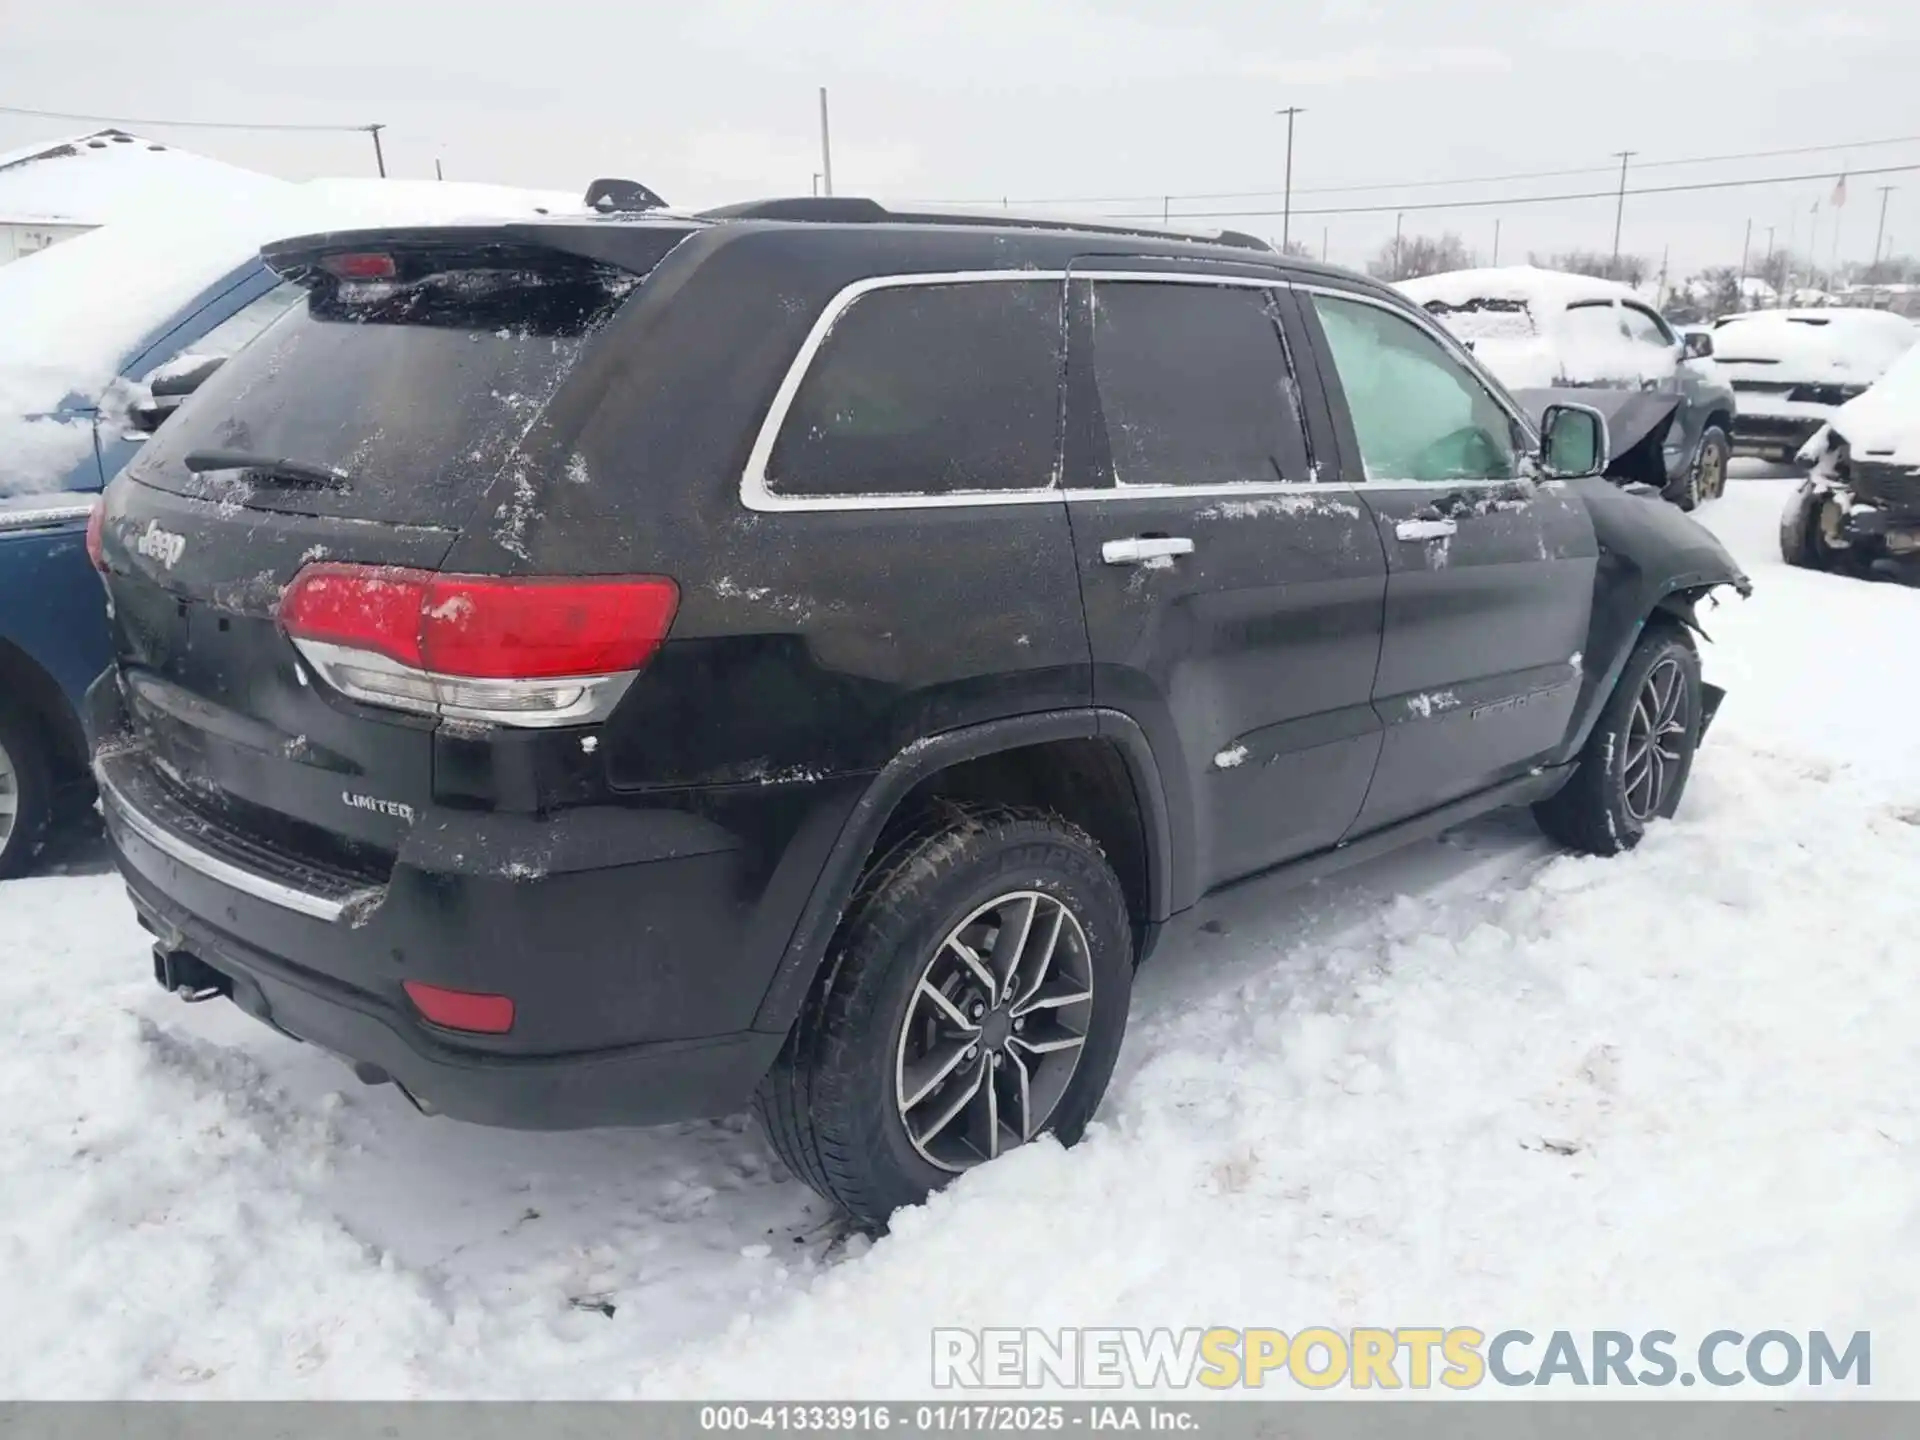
(268, 467)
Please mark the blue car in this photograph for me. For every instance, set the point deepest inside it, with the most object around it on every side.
(53, 623)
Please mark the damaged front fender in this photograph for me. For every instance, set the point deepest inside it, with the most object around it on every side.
(1653, 561)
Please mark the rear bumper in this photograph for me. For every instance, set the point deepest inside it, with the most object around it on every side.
(630, 956)
(629, 1085)
(1773, 437)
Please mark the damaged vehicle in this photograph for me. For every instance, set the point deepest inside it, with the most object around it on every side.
(803, 655)
(1793, 369)
(1858, 510)
(1545, 331)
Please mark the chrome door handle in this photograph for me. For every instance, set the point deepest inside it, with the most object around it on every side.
(1142, 548)
(1425, 529)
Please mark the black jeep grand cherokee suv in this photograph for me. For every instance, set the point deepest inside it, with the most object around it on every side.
(613, 671)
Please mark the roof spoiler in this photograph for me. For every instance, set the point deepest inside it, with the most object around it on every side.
(614, 196)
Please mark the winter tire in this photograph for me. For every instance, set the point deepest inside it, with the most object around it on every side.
(1803, 537)
(974, 998)
(1707, 475)
(1635, 764)
(26, 790)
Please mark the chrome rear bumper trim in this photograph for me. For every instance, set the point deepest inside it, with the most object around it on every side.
(320, 907)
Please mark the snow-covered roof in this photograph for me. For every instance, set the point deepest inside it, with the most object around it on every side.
(1541, 291)
(1833, 343)
(75, 312)
(107, 175)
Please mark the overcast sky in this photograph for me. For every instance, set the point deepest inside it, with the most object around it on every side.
(713, 100)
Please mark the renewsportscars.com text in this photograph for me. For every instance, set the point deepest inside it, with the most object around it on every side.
(1461, 1357)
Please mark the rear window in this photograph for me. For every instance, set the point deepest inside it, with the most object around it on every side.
(418, 392)
(1490, 318)
(929, 390)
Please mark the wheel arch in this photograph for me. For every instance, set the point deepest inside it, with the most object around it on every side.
(1674, 605)
(37, 695)
(911, 772)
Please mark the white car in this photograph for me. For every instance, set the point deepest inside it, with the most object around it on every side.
(1792, 369)
(1548, 330)
(1858, 511)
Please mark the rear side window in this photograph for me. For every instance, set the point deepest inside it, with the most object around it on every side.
(929, 390)
(1194, 385)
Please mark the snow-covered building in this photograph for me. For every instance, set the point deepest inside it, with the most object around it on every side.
(55, 190)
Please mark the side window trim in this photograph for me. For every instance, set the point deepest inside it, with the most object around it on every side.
(1660, 326)
(756, 493)
(1337, 395)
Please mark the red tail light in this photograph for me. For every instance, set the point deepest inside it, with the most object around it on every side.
(526, 651)
(96, 527)
(461, 1009)
(368, 265)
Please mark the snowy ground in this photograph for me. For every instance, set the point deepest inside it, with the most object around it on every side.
(1331, 1110)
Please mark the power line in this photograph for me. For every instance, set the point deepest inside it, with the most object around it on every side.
(1441, 184)
(183, 124)
(1480, 204)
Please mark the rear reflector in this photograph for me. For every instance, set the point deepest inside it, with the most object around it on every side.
(96, 527)
(361, 266)
(512, 650)
(461, 1009)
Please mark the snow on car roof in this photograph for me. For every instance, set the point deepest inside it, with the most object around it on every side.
(76, 311)
(107, 175)
(1884, 423)
(1542, 291)
(1833, 343)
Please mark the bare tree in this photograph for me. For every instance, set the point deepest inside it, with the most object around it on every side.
(1406, 256)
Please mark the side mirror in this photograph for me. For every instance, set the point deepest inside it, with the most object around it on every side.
(1573, 442)
(1697, 345)
(167, 389)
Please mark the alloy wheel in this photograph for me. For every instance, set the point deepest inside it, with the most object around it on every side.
(1656, 732)
(1710, 479)
(9, 796)
(994, 1030)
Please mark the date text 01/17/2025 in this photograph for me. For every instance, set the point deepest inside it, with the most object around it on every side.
(963, 1418)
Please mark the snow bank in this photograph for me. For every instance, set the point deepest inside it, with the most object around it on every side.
(71, 315)
(110, 175)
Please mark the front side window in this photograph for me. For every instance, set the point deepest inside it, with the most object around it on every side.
(929, 390)
(1418, 413)
(1646, 328)
(1194, 385)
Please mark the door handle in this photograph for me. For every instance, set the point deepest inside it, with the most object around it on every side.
(1142, 548)
(1433, 529)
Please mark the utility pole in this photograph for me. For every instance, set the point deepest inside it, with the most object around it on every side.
(826, 147)
(1620, 202)
(1746, 249)
(1881, 233)
(1496, 240)
(1396, 245)
(379, 158)
(1323, 244)
(438, 173)
(816, 182)
(1166, 209)
(1286, 206)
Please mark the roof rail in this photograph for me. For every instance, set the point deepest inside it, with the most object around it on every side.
(858, 210)
(622, 196)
